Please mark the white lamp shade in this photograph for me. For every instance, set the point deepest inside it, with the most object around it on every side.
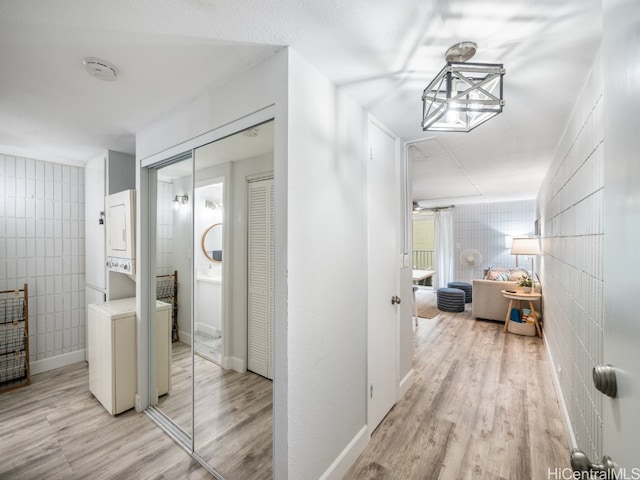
(525, 246)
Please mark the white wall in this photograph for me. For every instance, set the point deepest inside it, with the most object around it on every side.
(319, 175)
(42, 244)
(483, 227)
(571, 203)
(327, 271)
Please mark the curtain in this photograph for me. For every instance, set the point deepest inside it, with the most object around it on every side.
(443, 248)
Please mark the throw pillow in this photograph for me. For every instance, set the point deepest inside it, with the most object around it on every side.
(496, 273)
(517, 273)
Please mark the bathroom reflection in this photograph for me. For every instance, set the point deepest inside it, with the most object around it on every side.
(208, 217)
(220, 243)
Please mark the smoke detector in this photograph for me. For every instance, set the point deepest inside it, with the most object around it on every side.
(98, 68)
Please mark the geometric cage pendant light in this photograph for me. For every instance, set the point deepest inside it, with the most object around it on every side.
(463, 95)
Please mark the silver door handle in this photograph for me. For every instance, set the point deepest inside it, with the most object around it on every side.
(604, 378)
(581, 463)
(395, 300)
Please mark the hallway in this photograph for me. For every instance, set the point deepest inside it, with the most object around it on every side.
(483, 406)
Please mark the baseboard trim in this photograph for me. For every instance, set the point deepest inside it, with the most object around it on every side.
(46, 364)
(185, 337)
(234, 363)
(207, 329)
(348, 456)
(564, 411)
(405, 384)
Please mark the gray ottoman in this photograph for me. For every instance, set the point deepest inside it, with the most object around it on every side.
(465, 287)
(450, 299)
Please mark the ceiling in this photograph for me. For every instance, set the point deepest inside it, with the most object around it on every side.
(380, 52)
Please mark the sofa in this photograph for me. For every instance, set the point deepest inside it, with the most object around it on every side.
(488, 303)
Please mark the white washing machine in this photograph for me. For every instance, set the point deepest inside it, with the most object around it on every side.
(112, 353)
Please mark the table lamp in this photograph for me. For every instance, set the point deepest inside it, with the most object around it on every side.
(526, 246)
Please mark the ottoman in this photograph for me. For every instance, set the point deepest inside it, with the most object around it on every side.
(450, 299)
(465, 287)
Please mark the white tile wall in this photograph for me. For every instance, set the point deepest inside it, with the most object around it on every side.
(42, 244)
(571, 206)
(483, 227)
(164, 231)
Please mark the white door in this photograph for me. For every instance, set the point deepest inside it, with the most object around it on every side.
(260, 348)
(383, 272)
(620, 415)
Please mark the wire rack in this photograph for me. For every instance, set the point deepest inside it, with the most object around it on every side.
(167, 291)
(14, 338)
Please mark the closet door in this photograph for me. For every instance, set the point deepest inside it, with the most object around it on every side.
(260, 277)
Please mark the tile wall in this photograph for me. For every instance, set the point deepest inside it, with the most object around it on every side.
(483, 227)
(164, 229)
(42, 244)
(570, 204)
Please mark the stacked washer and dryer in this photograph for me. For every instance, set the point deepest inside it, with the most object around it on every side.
(111, 325)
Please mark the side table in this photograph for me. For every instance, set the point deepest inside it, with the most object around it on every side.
(522, 297)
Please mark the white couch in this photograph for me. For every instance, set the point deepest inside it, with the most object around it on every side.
(488, 303)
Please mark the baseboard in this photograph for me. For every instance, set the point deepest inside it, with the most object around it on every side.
(348, 456)
(207, 329)
(405, 384)
(564, 411)
(234, 363)
(46, 364)
(185, 337)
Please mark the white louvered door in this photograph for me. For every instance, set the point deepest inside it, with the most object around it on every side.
(260, 277)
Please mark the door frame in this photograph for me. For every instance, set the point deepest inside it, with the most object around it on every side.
(372, 122)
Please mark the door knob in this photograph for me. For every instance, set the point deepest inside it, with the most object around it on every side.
(395, 300)
(604, 378)
(581, 463)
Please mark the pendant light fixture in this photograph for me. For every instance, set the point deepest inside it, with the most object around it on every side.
(463, 95)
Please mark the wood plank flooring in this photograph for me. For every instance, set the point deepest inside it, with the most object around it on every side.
(233, 415)
(483, 406)
(56, 429)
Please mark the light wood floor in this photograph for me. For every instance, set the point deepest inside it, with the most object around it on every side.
(233, 413)
(483, 406)
(56, 429)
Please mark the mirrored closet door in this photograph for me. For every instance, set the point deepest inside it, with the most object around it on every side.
(214, 231)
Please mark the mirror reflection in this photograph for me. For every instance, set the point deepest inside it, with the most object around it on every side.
(208, 216)
(212, 242)
(174, 233)
(224, 322)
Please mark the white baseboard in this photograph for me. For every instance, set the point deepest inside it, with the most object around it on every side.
(46, 364)
(348, 456)
(234, 363)
(207, 329)
(185, 337)
(564, 412)
(405, 384)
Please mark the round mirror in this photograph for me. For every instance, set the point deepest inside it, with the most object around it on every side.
(212, 242)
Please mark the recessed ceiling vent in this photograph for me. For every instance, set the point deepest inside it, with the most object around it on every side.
(98, 68)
